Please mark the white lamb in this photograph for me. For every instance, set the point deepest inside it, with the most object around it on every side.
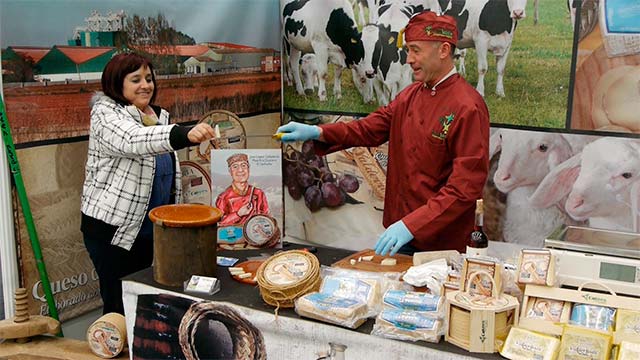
(526, 158)
(601, 184)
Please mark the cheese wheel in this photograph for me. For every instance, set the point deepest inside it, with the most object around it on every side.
(622, 101)
(107, 336)
(616, 99)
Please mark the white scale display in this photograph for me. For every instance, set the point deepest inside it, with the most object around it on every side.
(608, 257)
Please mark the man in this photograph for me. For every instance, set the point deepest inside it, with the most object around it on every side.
(438, 133)
(240, 200)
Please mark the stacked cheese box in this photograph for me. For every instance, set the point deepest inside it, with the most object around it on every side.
(409, 315)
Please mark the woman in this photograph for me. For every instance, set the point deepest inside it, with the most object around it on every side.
(131, 168)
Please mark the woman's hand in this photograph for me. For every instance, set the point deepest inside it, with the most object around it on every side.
(200, 133)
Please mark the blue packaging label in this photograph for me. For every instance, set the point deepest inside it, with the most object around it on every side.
(346, 287)
(229, 234)
(622, 16)
(410, 300)
(226, 261)
(327, 302)
(408, 320)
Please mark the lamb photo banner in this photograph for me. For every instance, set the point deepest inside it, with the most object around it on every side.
(204, 61)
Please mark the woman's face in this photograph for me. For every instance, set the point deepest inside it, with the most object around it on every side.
(138, 87)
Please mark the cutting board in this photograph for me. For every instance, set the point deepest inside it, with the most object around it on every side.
(403, 262)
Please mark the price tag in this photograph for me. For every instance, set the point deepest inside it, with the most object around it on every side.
(202, 285)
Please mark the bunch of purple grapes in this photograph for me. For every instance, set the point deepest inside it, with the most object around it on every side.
(306, 174)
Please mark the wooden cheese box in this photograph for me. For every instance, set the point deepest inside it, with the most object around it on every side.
(579, 296)
(480, 323)
(532, 294)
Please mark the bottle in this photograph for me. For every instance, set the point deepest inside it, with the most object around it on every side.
(478, 241)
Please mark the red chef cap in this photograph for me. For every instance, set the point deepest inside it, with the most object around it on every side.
(428, 26)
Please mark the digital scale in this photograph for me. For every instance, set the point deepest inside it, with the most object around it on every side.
(593, 255)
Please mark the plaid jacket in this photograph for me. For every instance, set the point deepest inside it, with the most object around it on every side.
(121, 166)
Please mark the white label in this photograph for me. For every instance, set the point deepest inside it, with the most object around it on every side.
(202, 284)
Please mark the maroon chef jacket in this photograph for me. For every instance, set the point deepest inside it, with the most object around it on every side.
(438, 158)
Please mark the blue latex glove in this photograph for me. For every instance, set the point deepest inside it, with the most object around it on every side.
(393, 239)
(294, 131)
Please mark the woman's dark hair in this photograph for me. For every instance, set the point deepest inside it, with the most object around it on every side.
(117, 69)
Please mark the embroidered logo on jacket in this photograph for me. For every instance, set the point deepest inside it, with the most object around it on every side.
(446, 122)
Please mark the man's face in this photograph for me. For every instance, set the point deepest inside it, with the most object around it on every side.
(239, 171)
(424, 59)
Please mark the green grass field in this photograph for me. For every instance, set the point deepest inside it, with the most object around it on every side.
(536, 77)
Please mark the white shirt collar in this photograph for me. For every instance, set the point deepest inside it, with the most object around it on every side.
(449, 74)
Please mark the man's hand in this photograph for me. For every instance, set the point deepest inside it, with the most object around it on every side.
(200, 133)
(245, 210)
(393, 239)
(294, 131)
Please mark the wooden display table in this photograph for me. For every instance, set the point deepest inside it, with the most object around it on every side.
(311, 337)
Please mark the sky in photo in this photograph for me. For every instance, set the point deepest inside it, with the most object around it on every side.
(52, 22)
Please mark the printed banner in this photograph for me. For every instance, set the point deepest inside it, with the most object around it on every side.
(247, 187)
(203, 61)
(606, 94)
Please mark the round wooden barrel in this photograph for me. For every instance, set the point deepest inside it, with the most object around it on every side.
(184, 242)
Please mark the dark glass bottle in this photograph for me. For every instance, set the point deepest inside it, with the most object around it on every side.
(478, 242)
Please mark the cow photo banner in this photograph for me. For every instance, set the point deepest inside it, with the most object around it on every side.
(204, 61)
(522, 66)
(542, 176)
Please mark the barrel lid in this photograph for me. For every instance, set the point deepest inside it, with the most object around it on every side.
(185, 215)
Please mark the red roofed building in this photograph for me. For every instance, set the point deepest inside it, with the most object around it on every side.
(18, 62)
(27, 52)
(223, 57)
(74, 63)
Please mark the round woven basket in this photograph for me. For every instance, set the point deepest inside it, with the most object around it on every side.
(247, 340)
(298, 274)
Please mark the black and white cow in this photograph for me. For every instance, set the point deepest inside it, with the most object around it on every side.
(309, 72)
(384, 62)
(389, 71)
(371, 5)
(326, 28)
(486, 25)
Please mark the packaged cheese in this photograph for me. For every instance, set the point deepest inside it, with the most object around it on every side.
(360, 285)
(415, 301)
(580, 343)
(628, 322)
(593, 316)
(408, 325)
(546, 309)
(536, 267)
(525, 345)
(337, 310)
(628, 350)
(363, 290)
